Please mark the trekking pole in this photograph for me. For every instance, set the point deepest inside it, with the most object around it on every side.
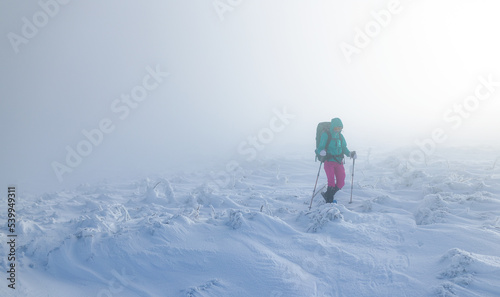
(352, 180)
(314, 190)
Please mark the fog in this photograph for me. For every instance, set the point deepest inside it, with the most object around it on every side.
(104, 89)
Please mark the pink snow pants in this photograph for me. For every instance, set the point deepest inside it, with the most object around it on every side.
(335, 173)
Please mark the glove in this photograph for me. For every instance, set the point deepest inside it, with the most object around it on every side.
(322, 156)
(354, 155)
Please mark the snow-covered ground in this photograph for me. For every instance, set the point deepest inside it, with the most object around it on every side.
(430, 230)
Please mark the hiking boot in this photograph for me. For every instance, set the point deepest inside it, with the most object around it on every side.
(331, 193)
(326, 195)
(335, 190)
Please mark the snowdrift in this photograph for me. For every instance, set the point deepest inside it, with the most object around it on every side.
(427, 231)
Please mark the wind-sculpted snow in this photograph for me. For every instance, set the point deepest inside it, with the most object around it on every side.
(433, 209)
(427, 231)
(474, 273)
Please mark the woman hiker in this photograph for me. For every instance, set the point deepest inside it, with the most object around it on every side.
(331, 150)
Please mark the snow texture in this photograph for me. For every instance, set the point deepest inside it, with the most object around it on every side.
(427, 231)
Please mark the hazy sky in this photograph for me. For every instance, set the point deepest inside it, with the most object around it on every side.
(144, 86)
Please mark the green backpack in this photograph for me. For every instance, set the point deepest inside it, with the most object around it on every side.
(323, 127)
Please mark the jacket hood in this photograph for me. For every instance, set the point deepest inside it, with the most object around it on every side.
(336, 122)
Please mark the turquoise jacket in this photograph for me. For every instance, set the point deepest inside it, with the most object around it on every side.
(338, 146)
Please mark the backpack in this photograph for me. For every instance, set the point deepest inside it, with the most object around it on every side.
(322, 128)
